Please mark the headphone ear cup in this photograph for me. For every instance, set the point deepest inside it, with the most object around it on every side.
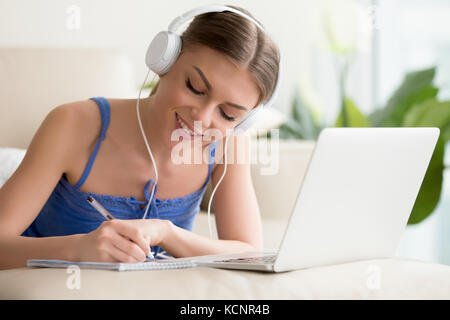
(244, 124)
(249, 119)
(163, 51)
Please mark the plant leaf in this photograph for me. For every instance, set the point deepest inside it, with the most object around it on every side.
(296, 106)
(430, 113)
(291, 129)
(308, 129)
(376, 117)
(445, 133)
(399, 112)
(416, 87)
(354, 116)
(430, 190)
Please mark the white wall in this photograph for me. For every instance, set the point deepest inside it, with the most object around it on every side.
(130, 25)
(414, 34)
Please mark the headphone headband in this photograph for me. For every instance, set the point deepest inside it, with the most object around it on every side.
(178, 21)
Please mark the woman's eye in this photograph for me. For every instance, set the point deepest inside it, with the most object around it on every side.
(224, 115)
(189, 85)
(227, 117)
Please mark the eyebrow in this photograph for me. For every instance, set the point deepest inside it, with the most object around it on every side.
(208, 85)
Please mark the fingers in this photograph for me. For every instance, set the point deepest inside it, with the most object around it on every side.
(108, 257)
(129, 231)
(121, 255)
(110, 240)
(127, 250)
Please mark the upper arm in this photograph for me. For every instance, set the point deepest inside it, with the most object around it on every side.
(235, 205)
(47, 157)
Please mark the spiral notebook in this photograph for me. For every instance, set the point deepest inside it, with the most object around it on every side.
(117, 266)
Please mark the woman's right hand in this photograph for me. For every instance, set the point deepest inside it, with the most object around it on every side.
(114, 241)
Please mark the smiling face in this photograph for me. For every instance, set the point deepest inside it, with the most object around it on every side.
(203, 85)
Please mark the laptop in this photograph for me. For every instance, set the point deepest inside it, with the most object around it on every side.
(353, 204)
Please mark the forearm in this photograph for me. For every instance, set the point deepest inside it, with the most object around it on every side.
(183, 243)
(16, 250)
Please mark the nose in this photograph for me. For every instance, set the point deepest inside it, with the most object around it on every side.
(204, 114)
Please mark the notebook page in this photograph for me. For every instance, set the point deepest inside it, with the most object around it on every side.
(118, 266)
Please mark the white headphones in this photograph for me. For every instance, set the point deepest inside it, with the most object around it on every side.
(165, 48)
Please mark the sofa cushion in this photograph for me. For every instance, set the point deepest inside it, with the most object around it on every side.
(10, 159)
(369, 279)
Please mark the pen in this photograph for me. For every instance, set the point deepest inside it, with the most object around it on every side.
(108, 216)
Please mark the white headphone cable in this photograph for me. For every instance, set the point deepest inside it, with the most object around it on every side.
(146, 143)
(214, 191)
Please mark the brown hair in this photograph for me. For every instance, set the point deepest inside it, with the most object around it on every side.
(240, 40)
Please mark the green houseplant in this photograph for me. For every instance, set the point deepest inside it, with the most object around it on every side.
(413, 104)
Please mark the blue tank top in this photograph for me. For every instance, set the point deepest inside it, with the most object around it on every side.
(67, 211)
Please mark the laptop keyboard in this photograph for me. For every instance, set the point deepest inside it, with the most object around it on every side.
(263, 260)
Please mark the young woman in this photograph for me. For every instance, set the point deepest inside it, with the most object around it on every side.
(227, 66)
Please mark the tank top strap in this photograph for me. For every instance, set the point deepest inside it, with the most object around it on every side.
(105, 112)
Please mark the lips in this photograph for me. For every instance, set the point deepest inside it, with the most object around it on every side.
(186, 125)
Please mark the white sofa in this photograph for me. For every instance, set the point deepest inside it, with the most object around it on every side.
(37, 80)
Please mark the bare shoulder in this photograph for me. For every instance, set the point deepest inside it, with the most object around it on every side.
(85, 119)
(85, 123)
